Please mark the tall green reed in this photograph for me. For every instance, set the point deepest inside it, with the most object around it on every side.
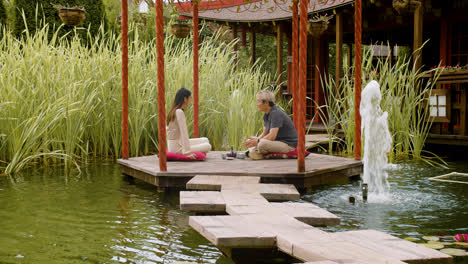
(404, 97)
(61, 99)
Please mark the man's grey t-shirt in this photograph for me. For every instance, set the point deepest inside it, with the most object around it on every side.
(277, 118)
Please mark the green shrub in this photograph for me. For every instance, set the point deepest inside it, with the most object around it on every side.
(39, 11)
(3, 17)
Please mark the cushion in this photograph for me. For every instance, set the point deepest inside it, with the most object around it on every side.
(171, 156)
(280, 155)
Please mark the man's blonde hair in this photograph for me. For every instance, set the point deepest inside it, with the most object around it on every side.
(266, 96)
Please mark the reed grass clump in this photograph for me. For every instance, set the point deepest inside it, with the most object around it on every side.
(60, 99)
(404, 96)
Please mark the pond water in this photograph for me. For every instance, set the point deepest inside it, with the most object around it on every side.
(99, 217)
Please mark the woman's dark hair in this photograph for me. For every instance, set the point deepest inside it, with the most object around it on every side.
(179, 100)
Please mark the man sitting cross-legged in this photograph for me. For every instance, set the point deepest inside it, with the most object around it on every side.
(279, 134)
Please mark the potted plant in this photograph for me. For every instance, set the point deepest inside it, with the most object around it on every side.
(318, 25)
(71, 15)
(178, 28)
(406, 6)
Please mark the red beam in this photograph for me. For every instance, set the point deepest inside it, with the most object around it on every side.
(161, 88)
(195, 70)
(357, 77)
(295, 32)
(125, 154)
(302, 86)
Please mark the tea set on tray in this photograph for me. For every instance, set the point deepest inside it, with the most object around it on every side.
(233, 154)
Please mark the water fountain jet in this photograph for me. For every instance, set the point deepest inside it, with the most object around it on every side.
(377, 140)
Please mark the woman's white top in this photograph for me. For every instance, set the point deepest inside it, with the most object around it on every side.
(177, 131)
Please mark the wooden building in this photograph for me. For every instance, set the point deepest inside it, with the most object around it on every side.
(442, 23)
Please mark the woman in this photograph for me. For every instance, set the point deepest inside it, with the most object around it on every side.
(177, 134)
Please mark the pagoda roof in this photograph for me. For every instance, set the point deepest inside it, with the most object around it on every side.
(254, 10)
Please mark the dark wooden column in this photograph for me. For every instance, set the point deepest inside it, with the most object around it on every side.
(279, 54)
(339, 49)
(418, 35)
(348, 56)
(236, 46)
(317, 65)
(443, 42)
(243, 37)
(252, 48)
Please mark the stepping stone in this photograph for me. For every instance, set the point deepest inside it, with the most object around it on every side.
(340, 252)
(288, 230)
(202, 202)
(214, 182)
(395, 247)
(271, 192)
(308, 213)
(251, 209)
(320, 262)
(232, 232)
(235, 197)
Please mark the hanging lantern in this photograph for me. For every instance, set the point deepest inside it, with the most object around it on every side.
(72, 16)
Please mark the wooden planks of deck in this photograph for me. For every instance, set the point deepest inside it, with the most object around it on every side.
(320, 169)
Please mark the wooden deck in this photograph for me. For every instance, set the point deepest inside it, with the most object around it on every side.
(320, 169)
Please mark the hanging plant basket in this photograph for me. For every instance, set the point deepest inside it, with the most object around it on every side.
(406, 6)
(316, 28)
(318, 25)
(179, 30)
(72, 16)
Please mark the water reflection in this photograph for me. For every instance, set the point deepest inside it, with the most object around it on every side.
(100, 217)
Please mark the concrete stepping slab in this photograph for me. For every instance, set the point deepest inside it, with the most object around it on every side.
(308, 213)
(235, 197)
(232, 232)
(214, 182)
(395, 247)
(320, 262)
(202, 202)
(340, 252)
(271, 192)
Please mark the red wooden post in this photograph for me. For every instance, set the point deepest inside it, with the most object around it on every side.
(161, 88)
(294, 75)
(357, 77)
(195, 70)
(124, 29)
(302, 86)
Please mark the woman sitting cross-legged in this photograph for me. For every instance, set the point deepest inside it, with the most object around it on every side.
(178, 140)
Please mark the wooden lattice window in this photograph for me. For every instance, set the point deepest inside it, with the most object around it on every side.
(439, 105)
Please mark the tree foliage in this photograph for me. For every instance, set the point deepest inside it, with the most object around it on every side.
(37, 12)
(3, 16)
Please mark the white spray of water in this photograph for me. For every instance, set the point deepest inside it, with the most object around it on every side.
(377, 140)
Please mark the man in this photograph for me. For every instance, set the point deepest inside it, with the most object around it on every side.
(279, 133)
